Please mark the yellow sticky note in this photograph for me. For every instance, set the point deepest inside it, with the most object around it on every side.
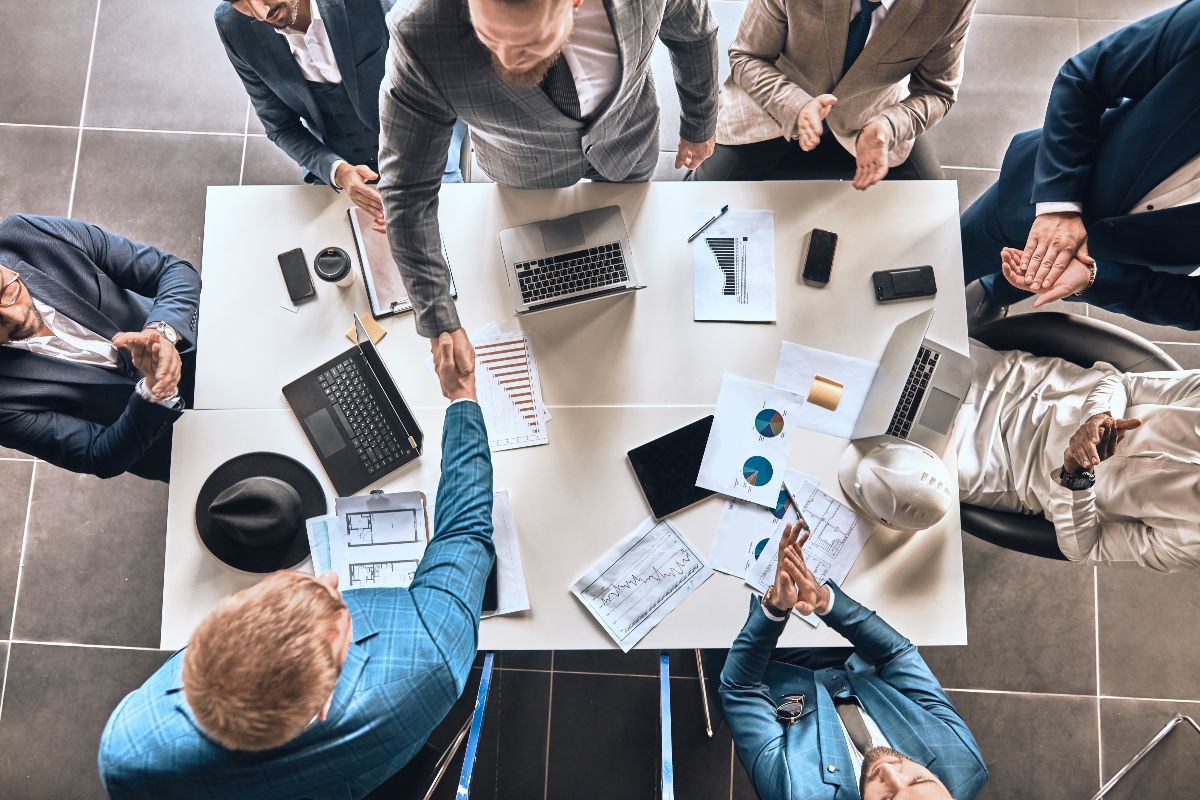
(825, 392)
(374, 330)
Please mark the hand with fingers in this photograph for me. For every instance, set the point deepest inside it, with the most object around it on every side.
(692, 154)
(356, 182)
(810, 123)
(1074, 279)
(795, 587)
(871, 154)
(154, 357)
(1055, 240)
(454, 361)
(1096, 441)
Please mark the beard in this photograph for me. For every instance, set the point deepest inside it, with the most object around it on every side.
(526, 78)
(289, 19)
(872, 757)
(29, 326)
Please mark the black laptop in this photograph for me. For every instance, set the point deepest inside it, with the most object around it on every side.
(354, 416)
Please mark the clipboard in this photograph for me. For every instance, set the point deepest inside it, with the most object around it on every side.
(385, 290)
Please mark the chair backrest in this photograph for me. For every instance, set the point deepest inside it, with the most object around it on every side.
(1077, 339)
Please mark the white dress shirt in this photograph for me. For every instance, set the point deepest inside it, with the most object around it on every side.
(591, 53)
(1021, 412)
(70, 341)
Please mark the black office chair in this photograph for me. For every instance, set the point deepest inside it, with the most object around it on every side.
(1077, 339)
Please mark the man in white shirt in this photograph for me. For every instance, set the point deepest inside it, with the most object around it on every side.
(870, 726)
(822, 90)
(1128, 443)
(1104, 201)
(312, 69)
(97, 343)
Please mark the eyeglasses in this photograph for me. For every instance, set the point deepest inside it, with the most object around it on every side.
(10, 292)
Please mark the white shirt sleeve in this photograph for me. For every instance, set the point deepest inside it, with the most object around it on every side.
(333, 174)
(1062, 207)
(172, 401)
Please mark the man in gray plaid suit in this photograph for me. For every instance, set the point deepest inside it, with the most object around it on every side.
(553, 91)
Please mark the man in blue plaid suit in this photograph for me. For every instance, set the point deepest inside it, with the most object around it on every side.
(291, 689)
(823, 727)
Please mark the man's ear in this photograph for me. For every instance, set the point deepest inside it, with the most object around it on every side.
(325, 708)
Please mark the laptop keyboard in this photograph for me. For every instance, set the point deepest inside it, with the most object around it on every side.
(580, 271)
(914, 392)
(355, 406)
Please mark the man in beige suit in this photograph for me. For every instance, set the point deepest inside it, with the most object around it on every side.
(828, 89)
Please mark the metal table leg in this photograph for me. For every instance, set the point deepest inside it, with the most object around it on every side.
(1170, 726)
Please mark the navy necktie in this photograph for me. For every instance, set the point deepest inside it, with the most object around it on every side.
(860, 27)
(559, 84)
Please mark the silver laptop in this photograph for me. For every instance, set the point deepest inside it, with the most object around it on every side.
(918, 389)
(585, 256)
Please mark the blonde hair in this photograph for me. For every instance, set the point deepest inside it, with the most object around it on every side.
(261, 665)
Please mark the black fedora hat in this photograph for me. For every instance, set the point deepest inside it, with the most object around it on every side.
(251, 511)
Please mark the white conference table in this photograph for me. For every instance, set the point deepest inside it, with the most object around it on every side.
(615, 373)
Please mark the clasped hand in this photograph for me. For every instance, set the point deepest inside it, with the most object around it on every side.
(1072, 279)
(454, 361)
(1096, 441)
(154, 357)
(795, 586)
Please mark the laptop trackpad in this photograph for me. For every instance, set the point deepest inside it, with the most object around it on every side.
(939, 411)
(325, 432)
(561, 234)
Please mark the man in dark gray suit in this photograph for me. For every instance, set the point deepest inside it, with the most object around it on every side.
(553, 90)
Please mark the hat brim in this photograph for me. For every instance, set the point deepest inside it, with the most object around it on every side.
(250, 465)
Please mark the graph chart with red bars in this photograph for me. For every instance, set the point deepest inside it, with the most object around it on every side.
(510, 393)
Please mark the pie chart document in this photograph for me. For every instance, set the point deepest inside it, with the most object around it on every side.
(750, 441)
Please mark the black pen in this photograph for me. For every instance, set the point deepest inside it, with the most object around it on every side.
(704, 227)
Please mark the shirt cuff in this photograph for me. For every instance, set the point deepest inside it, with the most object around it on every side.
(832, 598)
(463, 400)
(172, 401)
(333, 173)
(1062, 207)
(771, 616)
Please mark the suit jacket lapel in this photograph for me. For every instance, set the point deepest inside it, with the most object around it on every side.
(898, 20)
(337, 26)
(891, 722)
(278, 59)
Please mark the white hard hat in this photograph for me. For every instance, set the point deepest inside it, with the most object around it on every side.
(901, 484)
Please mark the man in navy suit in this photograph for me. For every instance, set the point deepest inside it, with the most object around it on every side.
(813, 724)
(1102, 202)
(97, 341)
(312, 69)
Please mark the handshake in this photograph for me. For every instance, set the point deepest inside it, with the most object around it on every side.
(454, 362)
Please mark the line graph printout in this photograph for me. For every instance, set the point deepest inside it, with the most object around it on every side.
(733, 267)
(510, 390)
(638, 582)
(377, 540)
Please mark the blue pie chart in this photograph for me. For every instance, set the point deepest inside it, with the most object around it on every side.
(757, 471)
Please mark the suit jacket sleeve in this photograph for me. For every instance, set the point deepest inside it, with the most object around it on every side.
(690, 34)
(449, 584)
(416, 126)
(1160, 298)
(81, 446)
(139, 268)
(1127, 64)
(933, 85)
(752, 56)
(284, 127)
(748, 706)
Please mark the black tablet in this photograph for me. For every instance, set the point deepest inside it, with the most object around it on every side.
(667, 468)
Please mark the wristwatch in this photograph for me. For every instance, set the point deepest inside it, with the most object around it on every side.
(1076, 481)
(769, 606)
(166, 330)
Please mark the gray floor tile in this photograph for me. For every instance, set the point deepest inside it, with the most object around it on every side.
(614, 662)
(1122, 9)
(55, 707)
(93, 560)
(16, 478)
(1034, 746)
(511, 760)
(1005, 590)
(267, 165)
(8, 452)
(1171, 770)
(45, 67)
(1029, 8)
(151, 187)
(1188, 355)
(1148, 642)
(1093, 30)
(701, 764)
(35, 171)
(191, 85)
(1155, 333)
(743, 787)
(1011, 64)
(3, 662)
(971, 184)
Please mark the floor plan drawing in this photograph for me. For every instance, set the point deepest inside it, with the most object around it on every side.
(382, 527)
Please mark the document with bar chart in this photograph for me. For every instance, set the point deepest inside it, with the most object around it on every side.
(733, 267)
(510, 391)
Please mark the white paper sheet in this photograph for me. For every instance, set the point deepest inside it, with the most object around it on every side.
(318, 540)
(733, 267)
(512, 595)
(745, 528)
(641, 580)
(748, 447)
(838, 537)
(378, 540)
(798, 365)
(510, 390)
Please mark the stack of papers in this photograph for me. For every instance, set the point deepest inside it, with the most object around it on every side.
(373, 541)
(509, 388)
(746, 528)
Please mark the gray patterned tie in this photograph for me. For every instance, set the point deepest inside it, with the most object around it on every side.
(559, 84)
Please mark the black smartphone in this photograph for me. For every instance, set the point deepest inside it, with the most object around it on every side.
(295, 275)
(902, 284)
(818, 260)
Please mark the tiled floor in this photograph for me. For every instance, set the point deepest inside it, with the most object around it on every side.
(122, 111)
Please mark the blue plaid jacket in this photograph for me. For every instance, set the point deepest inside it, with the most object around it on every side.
(407, 665)
(887, 675)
